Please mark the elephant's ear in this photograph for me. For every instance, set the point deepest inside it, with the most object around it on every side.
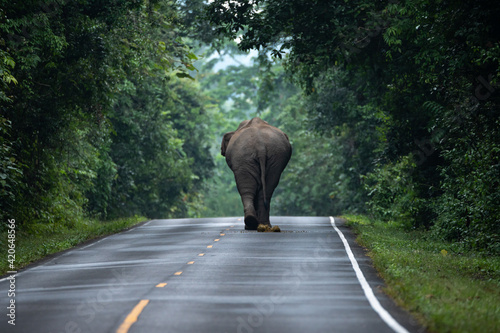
(225, 142)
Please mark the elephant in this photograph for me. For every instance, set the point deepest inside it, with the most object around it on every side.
(257, 153)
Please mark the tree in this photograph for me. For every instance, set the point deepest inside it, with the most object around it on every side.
(86, 72)
(395, 81)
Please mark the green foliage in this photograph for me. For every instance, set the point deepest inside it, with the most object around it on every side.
(468, 209)
(408, 89)
(398, 109)
(310, 183)
(150, 121)
(97, 123)
(232, 93)
(10, 172)
(443, 287)
(393, 193)
(221, 197)
(6, 78)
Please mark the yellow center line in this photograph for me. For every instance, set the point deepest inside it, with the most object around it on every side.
(178, 273)
(223, 234)
(191, 262)
(201, 254)
(161, 285)
(216, 240)
(209, 246)
(132, 316)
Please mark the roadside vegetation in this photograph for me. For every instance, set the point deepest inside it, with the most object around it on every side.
(397, 109)
(99, 114)
(446, 289)
(39, 241)
(116, 109)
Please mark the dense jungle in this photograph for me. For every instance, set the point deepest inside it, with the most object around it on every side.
(112, 109)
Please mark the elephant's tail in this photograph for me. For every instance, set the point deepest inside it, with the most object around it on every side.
(262, 161)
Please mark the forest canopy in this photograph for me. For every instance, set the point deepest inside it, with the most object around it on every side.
(407, 92)
(99, 116)
(114, 108)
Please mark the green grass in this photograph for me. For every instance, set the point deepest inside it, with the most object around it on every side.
(445, 290)
(36, 241)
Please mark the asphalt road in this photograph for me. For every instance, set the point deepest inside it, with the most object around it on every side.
(207, 275)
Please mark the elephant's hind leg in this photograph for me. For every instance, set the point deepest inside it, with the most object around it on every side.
(247, 184)
(251, 222)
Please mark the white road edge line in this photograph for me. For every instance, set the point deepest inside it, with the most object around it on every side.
(375, 304)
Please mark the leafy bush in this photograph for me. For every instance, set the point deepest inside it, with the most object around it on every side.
(94, 121)
(391, 82)
(393, 193)
(10, 172)
(468, 210)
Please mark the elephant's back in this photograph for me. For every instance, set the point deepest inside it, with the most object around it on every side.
(243, 143)
(253, 141)
(275, 140)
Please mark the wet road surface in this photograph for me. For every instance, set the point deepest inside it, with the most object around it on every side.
(208, 275)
